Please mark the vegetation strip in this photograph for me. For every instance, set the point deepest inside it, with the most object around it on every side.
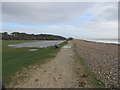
(25, 36)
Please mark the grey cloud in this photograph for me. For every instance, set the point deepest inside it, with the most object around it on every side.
(42, 12)
(106, 12)
(103, 23)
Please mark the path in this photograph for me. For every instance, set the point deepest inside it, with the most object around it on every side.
(58, 73)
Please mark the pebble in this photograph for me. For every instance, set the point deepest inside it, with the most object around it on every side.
(36, 80)
(102, 59)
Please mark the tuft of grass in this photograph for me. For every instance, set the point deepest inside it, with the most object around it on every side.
(13, 59)
(87, 70)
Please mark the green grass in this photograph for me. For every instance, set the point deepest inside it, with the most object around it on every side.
(13, 59)
(87, 70)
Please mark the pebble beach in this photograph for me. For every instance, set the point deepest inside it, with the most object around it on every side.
(102, 58)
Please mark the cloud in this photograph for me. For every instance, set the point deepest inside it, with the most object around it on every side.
(79, 20)
(105, 11)
(39, 13)
(64, 26)
(60, 0)
(104, 24)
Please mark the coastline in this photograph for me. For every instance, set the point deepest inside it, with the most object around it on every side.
(102, 58)
(103, 41)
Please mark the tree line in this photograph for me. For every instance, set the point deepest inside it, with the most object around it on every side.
(25, 36)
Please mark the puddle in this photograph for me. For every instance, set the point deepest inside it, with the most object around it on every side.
(11, 45)
(38, 44)
(33, 49)
(67, 47)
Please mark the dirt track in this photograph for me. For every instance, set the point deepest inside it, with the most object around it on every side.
(55, 74)
(61, 72)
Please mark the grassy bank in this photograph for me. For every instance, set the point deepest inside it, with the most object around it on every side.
(16, 58)
(92, 80)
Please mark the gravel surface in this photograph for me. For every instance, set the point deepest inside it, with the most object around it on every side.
(102, 58)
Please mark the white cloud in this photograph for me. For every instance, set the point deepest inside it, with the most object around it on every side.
(64, 26)
(64, 18)
(60, 0)
(39, 13)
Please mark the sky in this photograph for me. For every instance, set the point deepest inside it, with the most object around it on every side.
(79, 20)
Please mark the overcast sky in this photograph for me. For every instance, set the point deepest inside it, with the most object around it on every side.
(75, 19)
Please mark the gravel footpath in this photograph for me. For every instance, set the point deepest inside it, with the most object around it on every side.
(102, 58)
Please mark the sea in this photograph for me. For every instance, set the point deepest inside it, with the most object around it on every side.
(113, 41)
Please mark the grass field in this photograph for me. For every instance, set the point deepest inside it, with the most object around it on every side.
(15, 58)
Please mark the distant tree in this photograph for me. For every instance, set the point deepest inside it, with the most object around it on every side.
(15, 35)
(5, 33)
(25, 36)
(5, 36)
(70, 38)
